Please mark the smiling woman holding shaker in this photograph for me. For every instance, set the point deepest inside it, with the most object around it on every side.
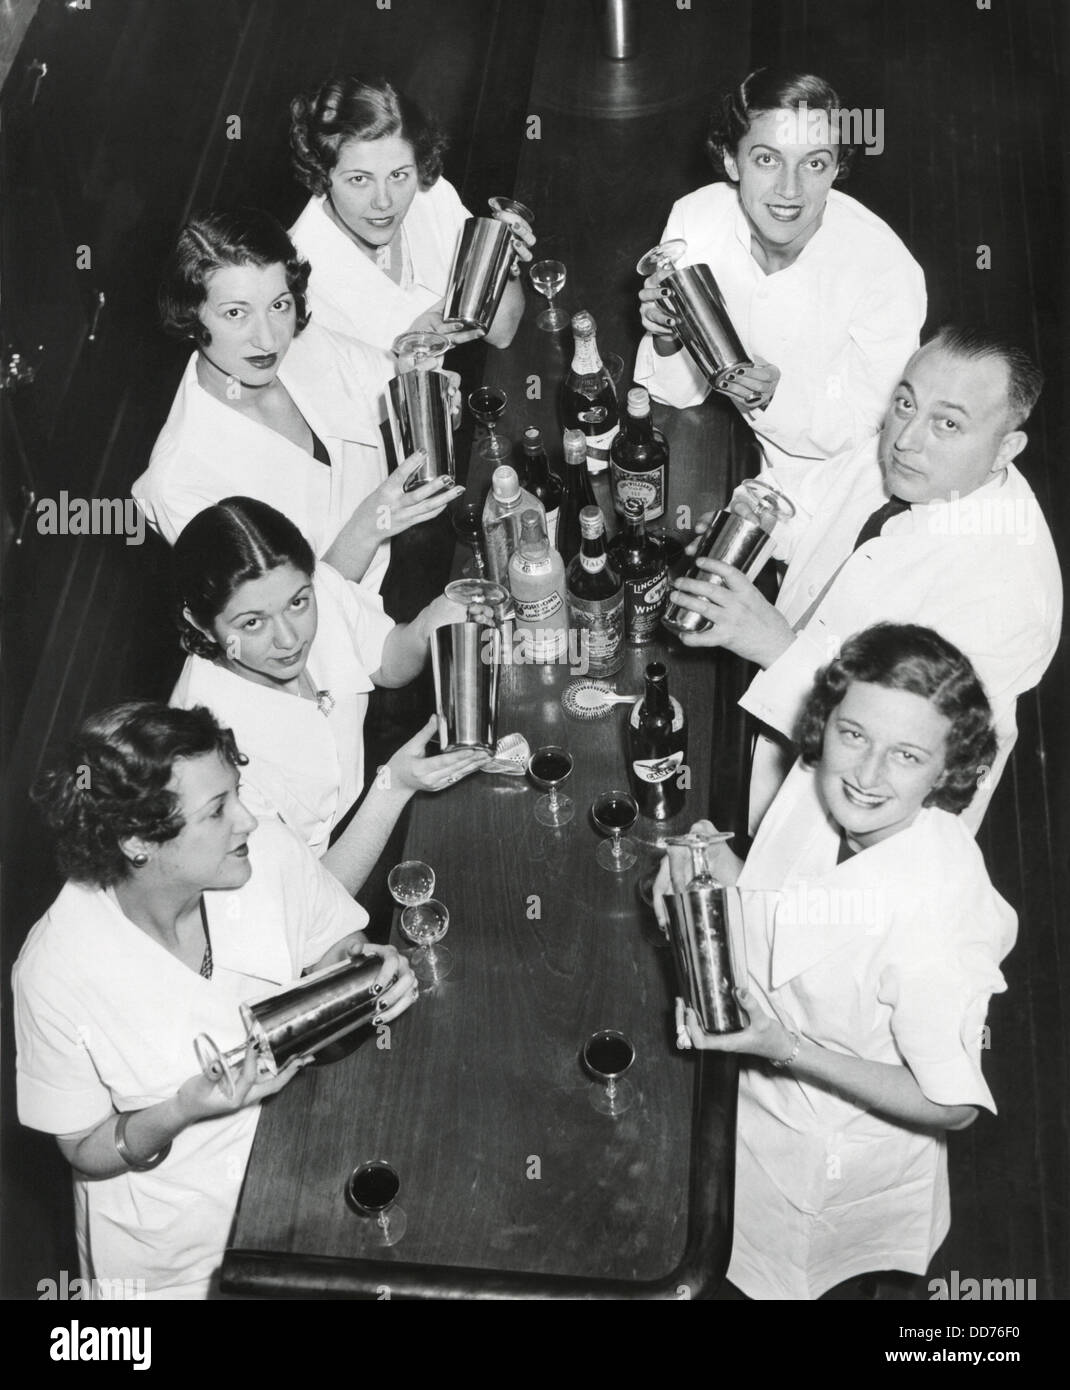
(873, 939)
(382, 225)
(284, 652)
(827, 300)
(178, 908)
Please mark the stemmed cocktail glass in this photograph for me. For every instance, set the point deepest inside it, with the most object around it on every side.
(419, 350)
(371, 1191)
(549, 767)
(548, 277)
(614, 813)
(607, 1055)
(487, 404)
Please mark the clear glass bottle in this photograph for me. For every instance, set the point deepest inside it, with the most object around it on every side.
(537, 581)
(501, 520)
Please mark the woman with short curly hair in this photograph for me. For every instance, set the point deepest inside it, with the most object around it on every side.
(178, 908)
(825, 297)
(873, 939)
(382, 224)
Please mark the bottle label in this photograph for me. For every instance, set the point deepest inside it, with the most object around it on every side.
(643, 601)
(598, 445)
(537, 610)
(593, 563)
(677, 713)
(648, 488)
(601, 632)
(658, 769)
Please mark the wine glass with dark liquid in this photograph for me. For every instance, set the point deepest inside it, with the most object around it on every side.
(614, 813)
(487, 404)
(548, 277)
(466, 519)
(425, 924)
(371, 1191)
(607, 1055)
(549, 767)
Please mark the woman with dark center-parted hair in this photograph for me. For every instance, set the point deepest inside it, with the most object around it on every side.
(825, 297)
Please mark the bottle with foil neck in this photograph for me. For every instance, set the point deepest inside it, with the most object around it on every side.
(588, 400)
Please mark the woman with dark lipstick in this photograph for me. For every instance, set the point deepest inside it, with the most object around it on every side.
(825, 297)
(382, 224)
(179, 906)
(873, 942)
(274, 406)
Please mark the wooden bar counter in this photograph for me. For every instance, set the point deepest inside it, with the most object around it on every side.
(513, 1185)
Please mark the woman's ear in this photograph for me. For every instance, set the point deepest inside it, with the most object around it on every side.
(188, 617)
(136, 850)
(731, 168)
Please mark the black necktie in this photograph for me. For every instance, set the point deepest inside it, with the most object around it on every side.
(874, 523)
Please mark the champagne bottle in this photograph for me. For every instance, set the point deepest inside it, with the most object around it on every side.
(540, 482)
(537, 581)
(501, 520)
(588, 400)
(657, 748)
(577, 494)
(640, 562)
(639, 458)
(596, 599)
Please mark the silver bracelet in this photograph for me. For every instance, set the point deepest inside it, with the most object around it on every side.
(137, 1165)
(796, 1043)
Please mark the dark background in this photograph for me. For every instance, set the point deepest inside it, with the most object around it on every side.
(127, 133)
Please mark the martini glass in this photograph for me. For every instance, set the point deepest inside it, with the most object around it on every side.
(614, 813)
(700, 845)
(411, 882)
(487, 404)
(548, 767)
(483, 598)
(425, 924)
(607, 1055)
(371, 1192)
(500, 206)
(661, 259)
(420, 351)
(548, 277)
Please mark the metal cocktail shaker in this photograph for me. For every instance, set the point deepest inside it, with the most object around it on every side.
(618, 23)
(420, 419)
(481, 266)
(746, 545)
(465, 664)
(699, 932)
(303, 1019)
(694, 298)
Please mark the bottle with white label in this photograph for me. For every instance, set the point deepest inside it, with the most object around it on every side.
(596, 600)
(657, 748)
(537, 581)
(639, 458)
(501, 520)
(588, 400)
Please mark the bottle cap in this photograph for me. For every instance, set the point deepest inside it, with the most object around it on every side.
(505, 484)
(583, 325)
(532, 440)
(575, 445)
(532, 536)
(638, 401)
(592, 523)
(634, 509)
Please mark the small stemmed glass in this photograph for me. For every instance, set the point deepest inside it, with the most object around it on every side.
(700, 845)
(424, 920)
(371, 1191)
(607, 1055)
(614, 813)
(549, 767)
(487, 404)
(466, 518)
(415, 350)
(548, 277)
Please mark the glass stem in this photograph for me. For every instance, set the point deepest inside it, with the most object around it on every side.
(617, 849)
(611, 1089)
(552, 803)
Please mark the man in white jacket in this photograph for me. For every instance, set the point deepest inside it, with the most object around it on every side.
(930, 523)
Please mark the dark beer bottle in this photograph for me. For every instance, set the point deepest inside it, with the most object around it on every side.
(657, 748)
(639, 458)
